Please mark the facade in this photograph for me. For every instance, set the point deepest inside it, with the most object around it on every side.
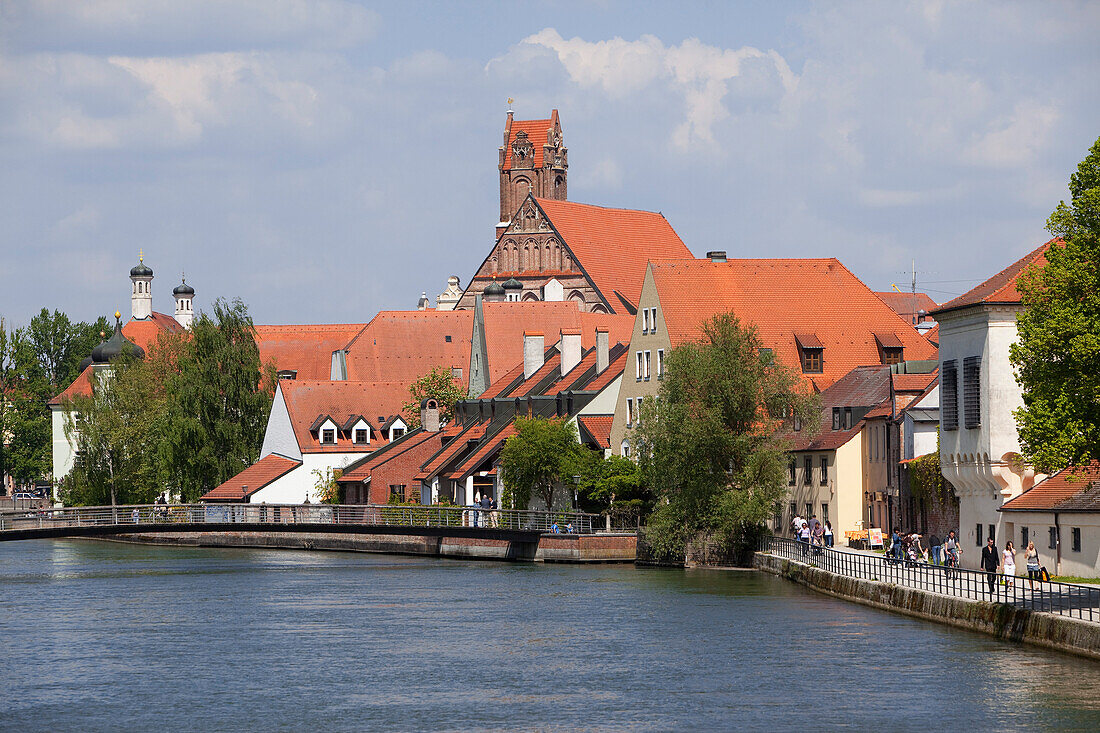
(1061, 515)
(979, 445)
(814, 315)
(533, 161)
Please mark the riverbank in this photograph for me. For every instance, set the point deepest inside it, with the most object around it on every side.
(562, 548)
(999, 620)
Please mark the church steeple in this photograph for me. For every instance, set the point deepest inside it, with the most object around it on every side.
(533, 159)
(141, 297)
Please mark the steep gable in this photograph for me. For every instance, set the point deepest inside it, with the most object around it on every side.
(399, 346)
(1001, 288)
(310, 403)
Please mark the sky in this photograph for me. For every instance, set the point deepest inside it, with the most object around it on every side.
(323, 160)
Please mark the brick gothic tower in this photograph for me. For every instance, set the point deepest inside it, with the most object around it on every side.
(533, 159)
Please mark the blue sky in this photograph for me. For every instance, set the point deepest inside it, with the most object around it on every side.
(323, 160)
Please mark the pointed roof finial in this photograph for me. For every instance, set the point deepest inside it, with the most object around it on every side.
(510, 100)
(141, 255)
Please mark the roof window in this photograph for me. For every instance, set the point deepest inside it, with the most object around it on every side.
(810, 353)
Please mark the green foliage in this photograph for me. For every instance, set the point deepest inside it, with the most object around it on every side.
(1057, 357)
(710, 448)
(612, 486)
(542, 455)
(326, 486)
(439, 384)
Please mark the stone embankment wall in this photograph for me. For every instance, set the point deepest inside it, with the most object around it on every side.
(999, 620)
(550, 548)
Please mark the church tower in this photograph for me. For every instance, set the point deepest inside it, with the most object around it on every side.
(141, 298)
(533, 159)
(184, 295)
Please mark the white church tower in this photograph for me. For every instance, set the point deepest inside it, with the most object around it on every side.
(141, 296)
(184, 294)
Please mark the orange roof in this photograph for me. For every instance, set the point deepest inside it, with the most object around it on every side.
(361, 469)
(1001, 288)
(505, 324)
(403, 345)
(913, 382)
(1073, 489)
(252, 479)
(144, 333)
(306, 349)
(932, 335)
(81, 387)
(452, 449)
(908, 304)
(536, 132)
(786, 299)
(483, 452)
(497, 388)
(599, 427)
(614, 370)
(613, 245)
(306, 400)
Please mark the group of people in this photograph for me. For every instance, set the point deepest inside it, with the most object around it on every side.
(1005, 563)
(908, 546)
(485, 506)
(914, 548)
(813, 533)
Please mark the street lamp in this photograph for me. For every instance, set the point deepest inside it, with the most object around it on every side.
(576, 484)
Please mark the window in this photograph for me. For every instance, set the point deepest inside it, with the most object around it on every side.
(807, 470)
(847, 418)
(645, 320)
(824, 470)
(396, 433)
(824, 511)
(812, 361)
(629, 412)
(797, 423)
(328, 436)
(809, 509)
(647, 366)
(792, 512)
(638, 366)
(447, 339)
(978, 535)
(625, 449)
(361, 435)
(972, 391)
(1053, 538)
(790, 479)
(836, 418)
(777, 518)
(456, 372)
(891, 356)
(660, 363)
(1075, 538)
(949, 398)
(397, 491)
(653, 320)
(1024, 537)
(766, 355)
(993, 532)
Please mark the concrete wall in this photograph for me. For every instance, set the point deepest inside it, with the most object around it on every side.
(63, 450)
(294, 487)
(1083, 563)
(1002, 621)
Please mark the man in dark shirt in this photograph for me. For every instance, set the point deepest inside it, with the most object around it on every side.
(936, 544)
(991, 560)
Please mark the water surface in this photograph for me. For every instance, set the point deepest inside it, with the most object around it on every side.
(108, 636)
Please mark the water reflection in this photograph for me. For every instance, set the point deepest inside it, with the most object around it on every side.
(102, 636)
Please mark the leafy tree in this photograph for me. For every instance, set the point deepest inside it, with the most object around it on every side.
(219, 400)
(613, 486)
(326, 485)
(713, 452)
(60, 345)
(540, 457)
(439, 384)
(1057, 357)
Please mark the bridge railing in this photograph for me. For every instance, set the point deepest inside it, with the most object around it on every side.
(565, 522)
(1064, 599)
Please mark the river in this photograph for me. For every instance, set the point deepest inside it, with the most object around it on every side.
(108, 636)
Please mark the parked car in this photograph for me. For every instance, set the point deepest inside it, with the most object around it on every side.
(23, 495)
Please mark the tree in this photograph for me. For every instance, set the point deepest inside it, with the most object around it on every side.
(613, 486)
(60, 345)
(218, 401)
(540, 457)
(711, 446)
(1057, 357)
(438, 384)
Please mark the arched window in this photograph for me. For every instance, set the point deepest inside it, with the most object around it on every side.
(528, 297)
(624, 449)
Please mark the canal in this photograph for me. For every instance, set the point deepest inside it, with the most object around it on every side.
(108, 636)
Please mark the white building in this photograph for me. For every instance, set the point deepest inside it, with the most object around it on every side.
(979, 445)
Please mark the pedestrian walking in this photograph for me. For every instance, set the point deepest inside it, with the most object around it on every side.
(950, 552)
(804, 537)
(936, 546)
(895, 544)
(818, 537)
(828, 533)
(1031, 561)
(991, 560)
(1009, 563)
(796, 525)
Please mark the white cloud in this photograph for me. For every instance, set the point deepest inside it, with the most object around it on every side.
(1015, 139)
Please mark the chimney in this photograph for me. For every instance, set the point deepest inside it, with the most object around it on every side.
(429, 415)
(534, 347)
(570, 347)
(718, 255)
(601, 349)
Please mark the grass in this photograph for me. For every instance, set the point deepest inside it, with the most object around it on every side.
(1073, 579)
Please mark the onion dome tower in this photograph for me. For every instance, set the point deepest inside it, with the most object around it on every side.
(513, 289)
(493, 293)
(141, 297)
(115, 346)
(184, 295)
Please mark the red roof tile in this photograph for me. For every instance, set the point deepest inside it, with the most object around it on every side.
(913, 382)
(483, 452)
(1073, 489)
(456, 446)
(361, 469)
(306, 400)
(818, 298)
(536, 132)
(866, 386)
(144, 333)
(252, 479)
(599, 427)
(81, 387)
(306, 349)
(932, 335)
(613, 245)
(403, 345)
(609, 375)
(1001, 288)
(908, 305)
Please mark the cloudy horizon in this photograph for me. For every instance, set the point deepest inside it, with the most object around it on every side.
(325, 160)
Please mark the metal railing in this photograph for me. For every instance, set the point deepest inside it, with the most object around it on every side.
(1064, 599)
(280, 514)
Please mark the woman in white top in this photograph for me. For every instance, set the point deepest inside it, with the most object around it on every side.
(1009, 556)
(1034, 570)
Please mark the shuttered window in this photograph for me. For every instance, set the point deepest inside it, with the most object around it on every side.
(972, 392)
(949, 402)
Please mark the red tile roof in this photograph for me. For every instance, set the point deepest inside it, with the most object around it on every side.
(613, 371)
(913, 382)
(483, 452)
(613, 245)
(1073, 489)
(403, 345)
(252, 479)
(599, 427)
(144, 333)
(818, 299)
(536, 132)
(456, 446)
(361, 469)
(908, 305)
(81, 387)
(306, 349)
(867, 386)
(932, 335)
(1001, 288)
(306, 400)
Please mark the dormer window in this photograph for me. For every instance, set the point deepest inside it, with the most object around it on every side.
(810, 353)
(362, 435)
(892, 356)
(890, 348)
(328, 436)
